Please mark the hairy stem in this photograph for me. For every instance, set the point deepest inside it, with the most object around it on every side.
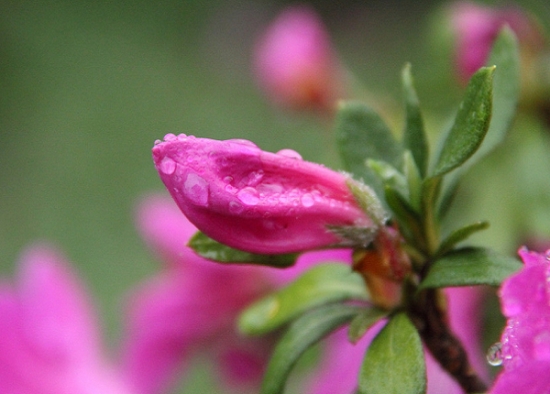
(430, 319)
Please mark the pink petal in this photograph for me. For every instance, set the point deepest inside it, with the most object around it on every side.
(253, 200)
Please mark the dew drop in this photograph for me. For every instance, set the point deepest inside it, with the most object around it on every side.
(231, 189)
(167, 166)
(235, 207)
(228, 179)
(157, 142)
(248, 196)
(182, 137)
(292, 154)
(196, 189)
(494, 354)
(170, 137)
(307, 200)
(243, 142)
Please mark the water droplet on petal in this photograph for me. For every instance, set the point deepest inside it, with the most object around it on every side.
(167, 166)
(243, 142)
(157, 142)
(248, 196)
(290, 154)
(235, 207)
(494, 354)
(231, 189)
(170, 137)
(196, 189)
(307, 200)
(182, 137)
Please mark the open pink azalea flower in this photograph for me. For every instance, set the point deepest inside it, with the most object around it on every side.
(49, 342)
(476, 28)
(295, 64)
(253, 200)
(193, 304)
(525, 353)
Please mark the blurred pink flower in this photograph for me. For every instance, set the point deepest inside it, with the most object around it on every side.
(192, 306)
(295, 64)
(476, 27)
(253, 200)
(525, 353)
(50, 340)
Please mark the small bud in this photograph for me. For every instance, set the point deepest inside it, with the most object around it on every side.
(295, 64)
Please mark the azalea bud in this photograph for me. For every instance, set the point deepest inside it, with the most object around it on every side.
(256, 201)
(476, 28)
(295, 64)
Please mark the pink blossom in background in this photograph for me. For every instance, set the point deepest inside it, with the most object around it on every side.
(525, 353)
(193, 304)
(253, 200)
(295, 64)
(476, 28)
(49, 342)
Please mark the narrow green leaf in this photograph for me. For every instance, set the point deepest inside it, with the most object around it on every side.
(323, 284)
(363, 321)
(470, 266)
(471, 123)
(394, 362)
(505, 55)
(414, 180)
(405, 214)
(460, 235)
(361, 134)
(220, 253)
(301, 335)
(389, 175)
(414, 136)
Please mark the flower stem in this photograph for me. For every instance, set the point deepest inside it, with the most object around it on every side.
(431, 321)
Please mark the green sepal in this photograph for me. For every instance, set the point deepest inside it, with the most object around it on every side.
(362, 134)
(363, 321)
(414, 135)
(301, 335)
(406, 216)
(471, 123)
(470, 266)
(394, 362)
(323, 284)
(460, 235)
(206, 247)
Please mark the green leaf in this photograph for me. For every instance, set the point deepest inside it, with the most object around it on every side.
(215, 251)
(361, 134)
(470, 266)
(405, 214)
(323, 284)
(394, 362)
(460, 235)
(389, 175)
(414, 180)
(363, 321)
(301, 335)
(506, 84)
(471, 123)
(414, 136)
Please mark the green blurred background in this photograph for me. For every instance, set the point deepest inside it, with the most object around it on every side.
(86, 88)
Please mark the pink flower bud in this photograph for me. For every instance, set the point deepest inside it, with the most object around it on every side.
(256, 201)
(525, 352)
(294, 62)
(476, 28)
